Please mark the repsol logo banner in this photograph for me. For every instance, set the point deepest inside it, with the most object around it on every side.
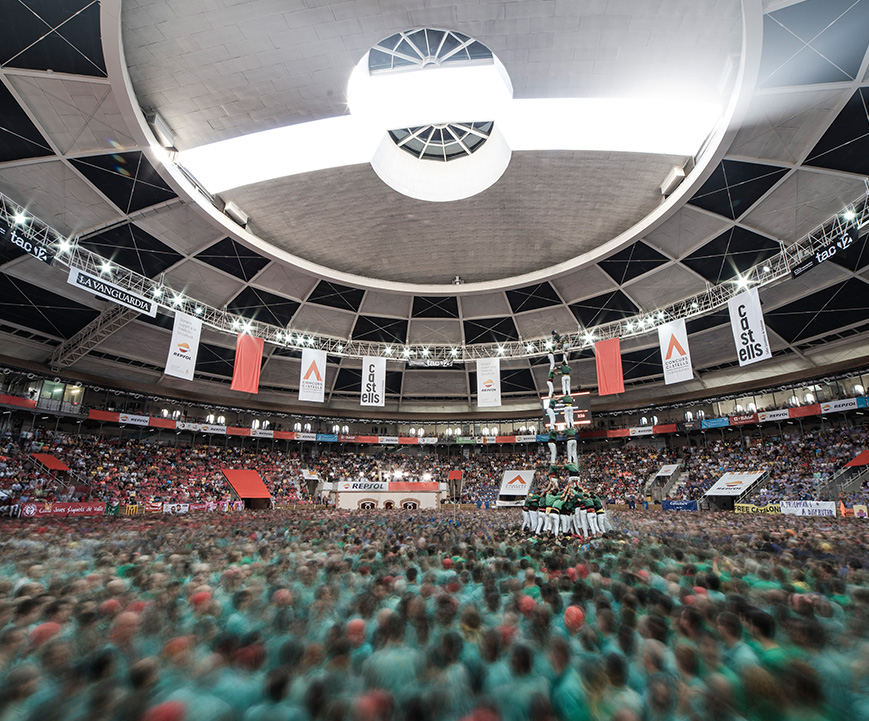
(373, 391)
(184, 346)
(488, 382)
(749, 330)
(363, 486)
(112, 292)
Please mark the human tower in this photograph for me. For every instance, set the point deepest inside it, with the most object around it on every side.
(566, 508)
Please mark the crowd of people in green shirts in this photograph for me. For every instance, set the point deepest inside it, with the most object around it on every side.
(432, 616)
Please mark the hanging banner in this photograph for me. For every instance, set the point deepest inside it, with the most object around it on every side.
(312, 381)
(734, 484)
(778, 415)
(133, 420)
(260, 433)
(181, 361)
(752, 508)
(488, 382)
(667, 470)
(679, 505)
(608, 359)
(846, 404)
(808, 508)
(641, 431)
(112, 292)
(516, 483)
(675, 354)
(845, 243)
(749, 330)
(248, 359)
(373, 391)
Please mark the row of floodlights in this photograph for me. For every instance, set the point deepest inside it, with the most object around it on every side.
(178, 300)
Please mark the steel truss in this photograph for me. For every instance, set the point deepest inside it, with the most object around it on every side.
(70, 254)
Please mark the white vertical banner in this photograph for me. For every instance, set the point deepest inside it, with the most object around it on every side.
(488, 382)
(373, 390)
(749, 330)
(675, 354)
(184, 346)
(312, 381)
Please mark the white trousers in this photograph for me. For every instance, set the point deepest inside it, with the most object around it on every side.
(583, 520)
(553, 453)
(571, 451)
(592, 522)
(541, 521)
(568, 416)
(526, 520)
(604, 520)
(552, 360)
(550, 387)
(565, 385)
(551, 414)
(565, 523)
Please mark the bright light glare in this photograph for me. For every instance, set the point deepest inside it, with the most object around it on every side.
(19, 219)
(290, 150)
(667, 126)
(435, 94)
(639, 125)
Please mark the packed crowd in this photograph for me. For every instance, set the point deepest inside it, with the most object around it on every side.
(129, 470)
(391, 616)
(800, 464)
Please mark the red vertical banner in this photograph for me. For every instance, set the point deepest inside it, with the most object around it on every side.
(248, 359)
(608, 357)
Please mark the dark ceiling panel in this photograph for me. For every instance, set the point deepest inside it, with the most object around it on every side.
(632, 262)
(215, 359)
(735, 186)
(133, 248)
(335, 295)
(519, 380)
(611, 306)
(161, 320)
(435, 307)
(731, 254)
(845, 145)
(490, 330)
(816, 41)
(533, 297)
(380, 330)
(127, 179)
(265, 307)
(824, 311)
(710, 320)
(19, 137)
(641, 364)
(30, 306)
(58, 35)
(233, 258)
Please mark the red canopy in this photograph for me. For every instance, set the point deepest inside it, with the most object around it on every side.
(247, 484)
(861, 460)
(51, 462)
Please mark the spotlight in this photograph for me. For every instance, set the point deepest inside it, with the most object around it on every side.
(847, 215)
(106, 267)
(529, 348)
(198, 310)
(19, 219)
(63, 246)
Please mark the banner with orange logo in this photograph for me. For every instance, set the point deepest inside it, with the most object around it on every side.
(675, 354)
(516, 483)
(248, 360)
(488, 382)
(312, 381)
(184, 346)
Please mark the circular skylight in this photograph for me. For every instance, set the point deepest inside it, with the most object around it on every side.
(425, 47)
(443, 142)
